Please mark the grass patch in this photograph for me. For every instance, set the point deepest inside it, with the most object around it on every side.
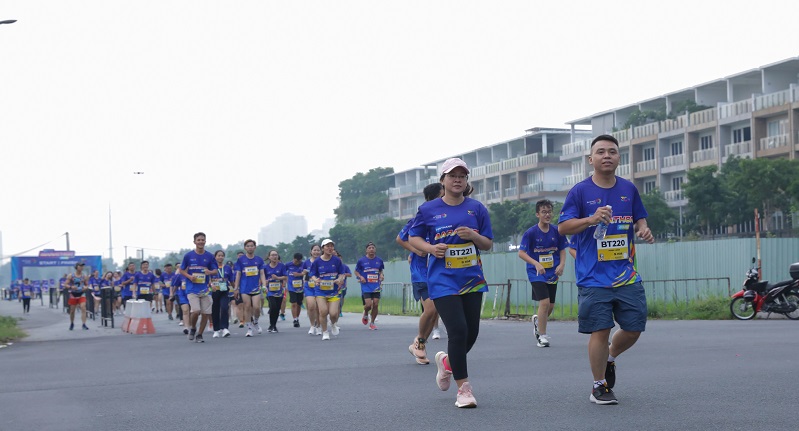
(712, 308)
(9, 330)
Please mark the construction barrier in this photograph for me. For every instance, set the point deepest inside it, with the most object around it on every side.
(138, 319)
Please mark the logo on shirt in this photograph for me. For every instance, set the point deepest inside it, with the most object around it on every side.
(470, 212)
(439, 216)
(595, 202)
(625, 199)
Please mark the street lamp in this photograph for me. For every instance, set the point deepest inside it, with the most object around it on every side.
(8, 21)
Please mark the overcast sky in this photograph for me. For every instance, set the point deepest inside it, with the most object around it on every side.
(237, 112)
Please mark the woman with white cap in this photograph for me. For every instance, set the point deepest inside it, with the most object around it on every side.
(328, 274)
(457, 228)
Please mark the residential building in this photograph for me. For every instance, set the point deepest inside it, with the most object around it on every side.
(285, 228)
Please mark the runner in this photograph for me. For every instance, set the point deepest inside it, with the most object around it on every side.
(310, 292)
(328, 274)
(275, 273)
(343, 289)
(543, 249)
(158, 288)
(166, 283)
(177, 293)
(197, 265)
(77, 284)
(452, 229)
(249, 278)
(127, 285)
(369, 271)
(26, 292)
(295, 288)
(221, 282)
(236, 309)
(144, 283)
(418, 263)
(94, 283)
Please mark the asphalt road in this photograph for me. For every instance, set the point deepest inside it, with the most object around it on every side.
(682, 375)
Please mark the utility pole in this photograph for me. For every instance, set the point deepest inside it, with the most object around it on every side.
(67, 235)
(110, 243)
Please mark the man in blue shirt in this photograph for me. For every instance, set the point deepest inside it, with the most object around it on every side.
(608, 282)
(197, 265)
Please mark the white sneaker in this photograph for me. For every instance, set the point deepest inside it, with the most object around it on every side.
(318, 330)
(325, 336)
(249, 333)
(335, 330)
(312, 331)
(436, 334)
(180, 323)
(216, 334)
(543, 340)
(258, 328)
(225, 333)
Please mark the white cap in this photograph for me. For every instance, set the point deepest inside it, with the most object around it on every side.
(327, 241)
(453, 163)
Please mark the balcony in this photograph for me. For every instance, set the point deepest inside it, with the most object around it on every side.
(578, 148)
(676, 161)
(493, 196)
(673, 196)
(511, 191)
(678, 123)
(773, 99)
(528, 160)
(740, 149)
(646, 130)
(493, 168)
(573, 179)
(509, 164)
(623, 170)
(703, 117)
(533, 187)
(705, 155)
(395, 213)
(621, 136)
(479, 171)
(771, 142)
(735, 109)
(646, 165)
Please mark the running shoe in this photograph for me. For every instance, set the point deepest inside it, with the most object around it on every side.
(610, 374)
(199, 338)
(436, 334)
(191, 334)
(185, 331)
(274, 329)
(465, 398)
(325, 336)
(535, 327)
(216, 334)
(365, 319)
(85, 328)
(334, 330)
(258, 328)
(296, 323)
(225, 333)
(603, 395)
(312, 331)
(543, 341)
(372, 327)
(443, 375)
(318, 330)
(170, 317)
(71, 326)
(419, 352)
(235, 321)
(180, 323)
(249, 333)
(241, 325)
(282, 316)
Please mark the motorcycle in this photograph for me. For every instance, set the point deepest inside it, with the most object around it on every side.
(760, 296)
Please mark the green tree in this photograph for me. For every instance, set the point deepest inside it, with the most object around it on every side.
(364, 195)
(764, 184)
(708, 197)
(662, 219)
(510, 218)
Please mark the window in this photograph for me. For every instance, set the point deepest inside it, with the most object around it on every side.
(624, 158)
(649, 186)
(741, 135)
(676, 148)
(649, 153)
(706, 142)
(512, 181)
(777, 127)
(676, 183)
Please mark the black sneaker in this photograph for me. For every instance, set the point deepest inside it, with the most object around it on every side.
(603, 395)
(199, 338)
(185, 331)
(274, 329)
(170, 317)
(296, 323)
(191, 334)
(71, 326)
(85, 328)
(610, 374)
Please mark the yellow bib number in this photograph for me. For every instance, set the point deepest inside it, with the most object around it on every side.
(311, 284)
(168, 283)
(200, 278)
(117, 288)
(250, 271)
(461, 255)
(274, 286)
(546, 260)
(296, 284)
(144, 290)
(326, 285)
(612, 247)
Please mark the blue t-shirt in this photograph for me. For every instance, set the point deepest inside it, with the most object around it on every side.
(127, 289)
(26, 290)
(344, 284)
(196, 264)
(274, 287)
(295, 282)
(307, 266)
(418, 263)
(250, 269)
(145, 283)
(544, 247)
(370, 269)
(94, 283)
(609, 262)
(327, 271)
(166, 282)
(460, 271)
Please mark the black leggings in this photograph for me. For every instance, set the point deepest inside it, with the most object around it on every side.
(461, 317)
(274, 309)
(220, 310)
(26, 305)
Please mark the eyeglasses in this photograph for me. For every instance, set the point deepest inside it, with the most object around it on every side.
(545, 212)
(457, 177)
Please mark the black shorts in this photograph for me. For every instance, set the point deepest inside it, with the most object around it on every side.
(146, 297)
(370, 295)
(296, 297)
(543, 290)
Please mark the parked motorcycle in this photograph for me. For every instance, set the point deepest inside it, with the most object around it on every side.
(760, 296)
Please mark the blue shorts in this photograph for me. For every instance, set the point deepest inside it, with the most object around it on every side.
(309, 291)
(182, 298)
(420, 292)
(599, 307)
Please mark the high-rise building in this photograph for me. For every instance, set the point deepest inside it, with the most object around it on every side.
(285, 228)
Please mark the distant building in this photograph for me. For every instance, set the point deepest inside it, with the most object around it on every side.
(285, 228)
(324, 232)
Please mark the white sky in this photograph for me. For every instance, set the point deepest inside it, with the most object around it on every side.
(240, 111)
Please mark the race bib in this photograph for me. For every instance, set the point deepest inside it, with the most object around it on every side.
(326, 285)
(612, 247)
(117, 288)
(311, 284)
(546, 260)
(200, 277)
(222, 285)
(372, 278)
(274, 286)
(461, 255)
(296, 284)
(250, 271)
(144, 290)
(168, 283)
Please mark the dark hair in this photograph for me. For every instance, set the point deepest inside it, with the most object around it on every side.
(605, 138)
(167, 265)
(197, 235)
(466, 191)
(158, 271)
(249, 241)
(270, 252)
(219, 251)
(143, 262)
(432, 191)
(370, 243)
(298, 256)
(543, 203)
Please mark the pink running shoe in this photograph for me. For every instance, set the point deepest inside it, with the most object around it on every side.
(465, 398)
(419, 352)
(364, 320)
(372, 327)
(443, 375)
